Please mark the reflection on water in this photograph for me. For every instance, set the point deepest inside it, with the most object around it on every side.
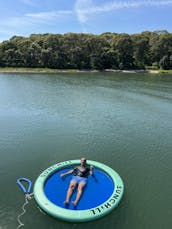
(122, 120)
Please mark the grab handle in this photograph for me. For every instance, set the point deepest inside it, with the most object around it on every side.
(19, 182)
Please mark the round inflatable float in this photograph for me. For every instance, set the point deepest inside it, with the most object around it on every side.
(101, 195)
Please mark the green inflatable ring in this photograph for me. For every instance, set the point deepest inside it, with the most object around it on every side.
(77, 215)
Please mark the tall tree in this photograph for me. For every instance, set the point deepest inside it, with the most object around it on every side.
(123, 46)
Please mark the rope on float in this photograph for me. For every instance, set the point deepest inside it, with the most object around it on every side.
(28, 196)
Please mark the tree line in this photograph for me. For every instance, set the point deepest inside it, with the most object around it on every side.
(89, 51)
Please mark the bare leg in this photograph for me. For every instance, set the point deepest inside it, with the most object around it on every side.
(70, 191)
(79, 193)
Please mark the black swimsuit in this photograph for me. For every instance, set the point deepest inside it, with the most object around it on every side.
(81, 171)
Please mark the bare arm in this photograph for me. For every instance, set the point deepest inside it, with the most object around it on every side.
(92, 173)
(67, 173)
(91, 170)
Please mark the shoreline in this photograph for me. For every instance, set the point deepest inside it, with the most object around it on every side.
(54, 71)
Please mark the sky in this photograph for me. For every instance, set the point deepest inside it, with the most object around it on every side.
(26, 17)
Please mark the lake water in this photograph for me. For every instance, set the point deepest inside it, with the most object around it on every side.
(121, 120)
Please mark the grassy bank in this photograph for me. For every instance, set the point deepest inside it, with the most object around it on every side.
(34, 70)
(165, 71)
(48, 70)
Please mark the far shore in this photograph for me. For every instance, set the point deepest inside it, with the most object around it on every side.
(47, 70)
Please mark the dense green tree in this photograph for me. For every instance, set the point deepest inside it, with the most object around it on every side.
(140, 50)
(162, 46)
(123, 46)
(89, 51)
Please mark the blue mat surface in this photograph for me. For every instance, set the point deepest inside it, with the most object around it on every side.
(98, 189)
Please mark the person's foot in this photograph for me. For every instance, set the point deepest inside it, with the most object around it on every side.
(66, 202)
(74, 203)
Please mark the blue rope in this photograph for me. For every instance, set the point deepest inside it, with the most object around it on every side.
(28, 190)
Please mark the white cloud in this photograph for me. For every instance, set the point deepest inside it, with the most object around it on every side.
(85, 8)
(50, 15)
(5, 31)
(31, 21)
(35, 18)
(82, 9)
(28, 2)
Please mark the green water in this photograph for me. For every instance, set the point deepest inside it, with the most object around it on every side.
(122, 120)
